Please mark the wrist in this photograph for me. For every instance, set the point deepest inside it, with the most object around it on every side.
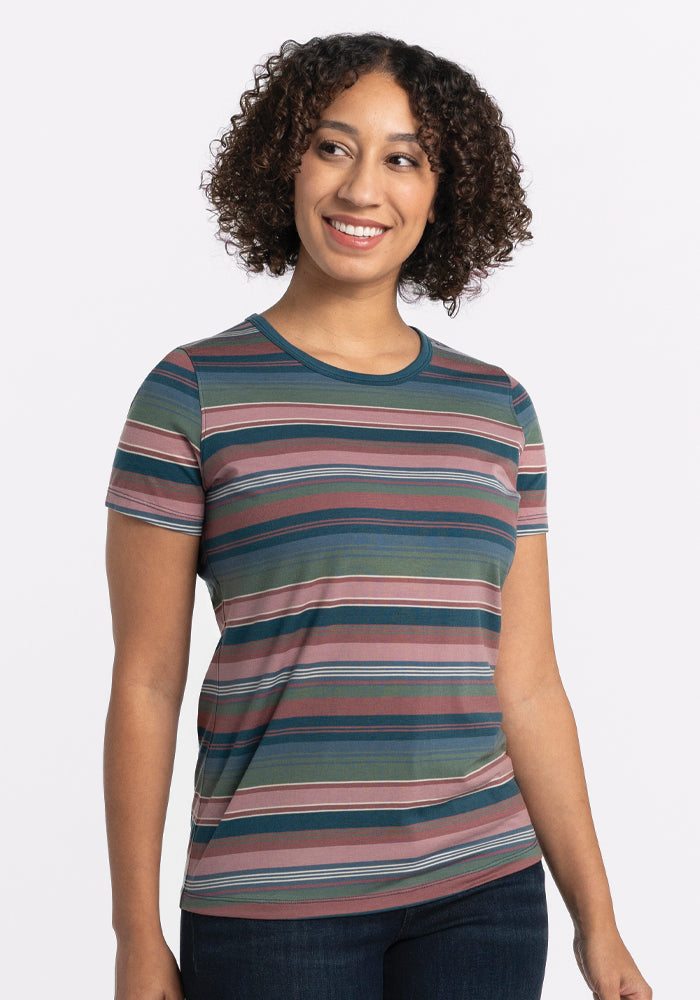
(594, 922)
(586, 894)
(144, 933)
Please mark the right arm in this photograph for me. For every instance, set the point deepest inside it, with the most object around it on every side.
(151, 573)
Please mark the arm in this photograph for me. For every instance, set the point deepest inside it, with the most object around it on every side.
(543, 745)
(151, 573)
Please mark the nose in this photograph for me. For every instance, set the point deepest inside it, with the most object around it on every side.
(361, 183)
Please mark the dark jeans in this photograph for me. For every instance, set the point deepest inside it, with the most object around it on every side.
(488, 943)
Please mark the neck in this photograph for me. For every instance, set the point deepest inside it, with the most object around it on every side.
(315, 299)
(358, 327)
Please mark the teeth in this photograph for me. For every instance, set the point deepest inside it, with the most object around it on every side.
(363, 231)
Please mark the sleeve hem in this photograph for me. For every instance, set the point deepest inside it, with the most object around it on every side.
(159, 520)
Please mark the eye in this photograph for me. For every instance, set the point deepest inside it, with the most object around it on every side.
(331, 148)
(402, 160)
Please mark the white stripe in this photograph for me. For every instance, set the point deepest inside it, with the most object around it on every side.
(247, 483)
(271, 681)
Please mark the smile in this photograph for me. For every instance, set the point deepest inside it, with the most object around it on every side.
(364, 232)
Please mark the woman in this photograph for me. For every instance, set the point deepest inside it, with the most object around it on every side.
(367, 509)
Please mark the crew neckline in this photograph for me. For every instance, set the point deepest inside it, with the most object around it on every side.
(345, 375)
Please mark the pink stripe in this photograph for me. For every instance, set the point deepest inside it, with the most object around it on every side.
(333, 592)
(234, 462)
(145, 440)
(246, 415)
(533, 459)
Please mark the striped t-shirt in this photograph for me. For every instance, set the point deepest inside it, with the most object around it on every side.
(355, 534)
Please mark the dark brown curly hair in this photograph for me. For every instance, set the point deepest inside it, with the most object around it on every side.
(480, 211)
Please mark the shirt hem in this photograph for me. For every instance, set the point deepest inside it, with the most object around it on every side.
(395, 899)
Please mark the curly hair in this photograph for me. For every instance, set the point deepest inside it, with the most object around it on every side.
(480, 210)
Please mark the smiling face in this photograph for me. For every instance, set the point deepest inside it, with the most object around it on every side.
(365, 190)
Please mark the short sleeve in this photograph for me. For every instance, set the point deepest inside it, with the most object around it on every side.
(157, 472)
(532, 467)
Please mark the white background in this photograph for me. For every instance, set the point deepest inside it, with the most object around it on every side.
(111, 261)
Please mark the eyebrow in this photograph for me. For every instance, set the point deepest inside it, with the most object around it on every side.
(351, 130)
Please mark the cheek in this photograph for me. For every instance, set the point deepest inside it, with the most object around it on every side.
(431, 203)
(299, 203)
(419, 201)
(304, 197)
(306, 179)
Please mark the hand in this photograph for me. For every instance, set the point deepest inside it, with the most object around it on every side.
(608, 968)
(147, 971)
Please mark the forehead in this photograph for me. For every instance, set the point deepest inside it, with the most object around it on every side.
(375, 99)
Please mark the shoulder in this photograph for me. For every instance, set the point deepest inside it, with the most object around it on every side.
(232, 340)
(496, 388)
(195, 358)
(175, 382)
(458, 365)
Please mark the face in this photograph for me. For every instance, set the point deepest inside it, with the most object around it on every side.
(365, 190)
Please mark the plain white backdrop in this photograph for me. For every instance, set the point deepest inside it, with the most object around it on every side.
(110, 261)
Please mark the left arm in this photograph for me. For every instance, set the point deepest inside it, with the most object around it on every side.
(543, 745)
